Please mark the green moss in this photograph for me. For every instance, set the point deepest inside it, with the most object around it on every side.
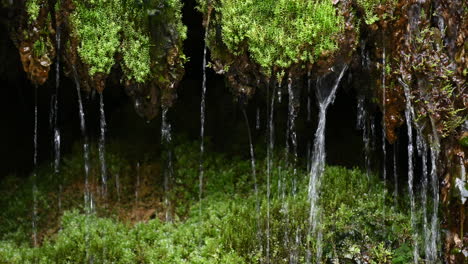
(278, 33)
(464, 141)
(107, 27)
(32, 8)
(369, 7)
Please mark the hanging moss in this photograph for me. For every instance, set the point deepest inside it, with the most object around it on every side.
(277, 33)
(105, 28)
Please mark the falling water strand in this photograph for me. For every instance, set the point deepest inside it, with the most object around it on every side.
(137, 185)
(88, 199)
(166, 139)
(202, 121)
(87, 195)
(292, 115)
(435, 146)
(254, 174)
(362, 124)
(318, 160)
(395, 174)
(34, 189)
(408, 115)
(257, 124)
(384, 125)
(269, 165)
(422, 151)
(102, 144)
(56, 130)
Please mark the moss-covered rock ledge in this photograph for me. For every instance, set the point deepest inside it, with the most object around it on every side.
(142, 41)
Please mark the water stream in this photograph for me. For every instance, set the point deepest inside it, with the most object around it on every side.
(88, 198)
(435, 238)
(270, 147)
(102, 145)
(423, 154)
(202, 118)
(384, 133)
(408, 116)
(34, 176)
(318, 160)
(166, 140)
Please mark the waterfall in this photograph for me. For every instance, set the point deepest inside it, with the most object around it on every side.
(55, 106)
(254, 173)
(137, 184)
(435, 148)
(257, 123)
(408, 116)
(34, 176)
(202, 117)
(88, 199)
(270, 112)
(362, 124)
(102, 138)
(384, 125)
(318, 160)
(166, 140)
(292, 115)
(395, 174)
(422, 151)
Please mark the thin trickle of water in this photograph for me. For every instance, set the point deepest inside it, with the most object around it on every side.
(408, 116)
(88, 199)
(395, 174)
(137, 184)
(254, 174)
(292, 115)
(362, 124)
(384, 133)
(318, 159)
(102, 144)
(117, 186)
(270, 148)
(166, 140)
(435, 148)
(34, 188)
(422, 151)
(257, 123)
(202, 119)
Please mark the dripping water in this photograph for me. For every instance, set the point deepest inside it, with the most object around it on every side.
(166, 139)
(202, 119)
(435, 146)
(422, 151)
(363, 125)
(56, 131)
(102, 150)
(254, 174)
(395, 174)
(318, 161)
(257, 124)
(88, 198)
(270, 147)
(408, 116)
(87, 195)
(384, 125)
(137, 185)
(34, 189)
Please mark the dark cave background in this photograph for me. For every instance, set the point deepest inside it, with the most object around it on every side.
(225, 125)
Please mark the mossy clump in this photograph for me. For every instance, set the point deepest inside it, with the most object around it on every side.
(275, 34)
(227, 226)
(371, 14)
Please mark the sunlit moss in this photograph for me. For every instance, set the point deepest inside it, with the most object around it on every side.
(279, 33)
(32, 8)
(107, 27)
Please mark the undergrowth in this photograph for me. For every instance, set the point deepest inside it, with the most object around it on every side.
(229, 225)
